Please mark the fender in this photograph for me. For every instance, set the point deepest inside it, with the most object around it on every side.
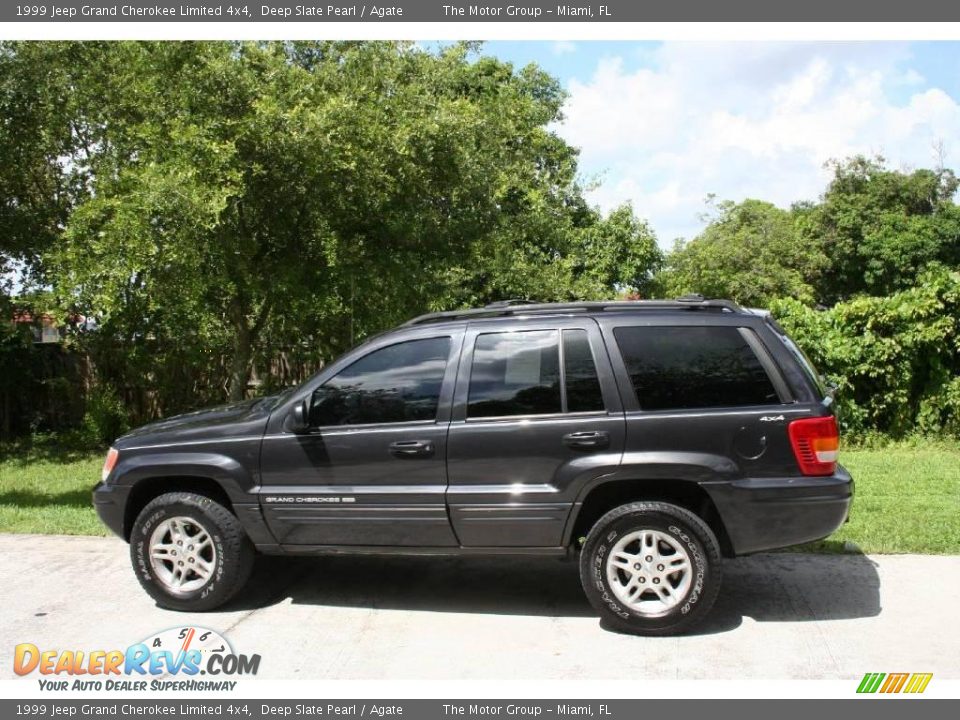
(682, 467)
(689, 466)
(234, 478)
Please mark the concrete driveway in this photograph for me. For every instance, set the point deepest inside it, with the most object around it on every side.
(778, 616)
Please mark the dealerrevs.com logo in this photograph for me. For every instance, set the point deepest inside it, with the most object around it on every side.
(173, 659)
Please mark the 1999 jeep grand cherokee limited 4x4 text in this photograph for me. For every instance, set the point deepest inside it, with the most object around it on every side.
(652, 437)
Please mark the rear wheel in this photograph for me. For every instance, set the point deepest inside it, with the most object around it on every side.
(190, 552)
(651, 568)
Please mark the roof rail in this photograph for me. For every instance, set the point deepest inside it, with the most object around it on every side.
(508, 303)
(512, 307)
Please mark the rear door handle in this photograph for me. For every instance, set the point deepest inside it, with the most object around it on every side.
(411, 448)
(587, 439)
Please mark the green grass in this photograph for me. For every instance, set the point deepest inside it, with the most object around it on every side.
(907, 501)
(46, 489)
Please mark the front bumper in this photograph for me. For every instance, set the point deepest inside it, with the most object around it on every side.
(769, 513)
(110, 502)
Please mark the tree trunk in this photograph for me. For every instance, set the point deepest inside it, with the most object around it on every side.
(242, 353)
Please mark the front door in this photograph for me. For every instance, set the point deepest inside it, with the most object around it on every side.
(371, 471)
(536, 418)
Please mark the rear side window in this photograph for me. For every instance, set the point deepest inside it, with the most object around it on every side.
(693, 367)
(519, 373)
(516, 373)
(397, 383)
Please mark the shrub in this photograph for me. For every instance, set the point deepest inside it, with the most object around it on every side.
(106, 417)
(895, 359)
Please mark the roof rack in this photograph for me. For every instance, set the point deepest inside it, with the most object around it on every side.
(513, 307)
(508, 303)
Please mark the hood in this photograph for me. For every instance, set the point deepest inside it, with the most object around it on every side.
(239, 419)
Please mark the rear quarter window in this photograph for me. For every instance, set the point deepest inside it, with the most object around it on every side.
(816, 379)
(674, 368)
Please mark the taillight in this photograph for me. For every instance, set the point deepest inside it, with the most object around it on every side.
(815, 444)
(109, 463)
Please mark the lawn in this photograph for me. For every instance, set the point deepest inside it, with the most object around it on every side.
(907, 500)
(44, 489)
(908, 497)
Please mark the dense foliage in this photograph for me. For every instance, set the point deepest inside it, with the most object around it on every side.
(895, 359)
(206, 218)
(229, 211)
(750, 252)
(866, 280)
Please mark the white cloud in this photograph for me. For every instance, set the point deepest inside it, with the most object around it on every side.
(747, 120)
(563, 47)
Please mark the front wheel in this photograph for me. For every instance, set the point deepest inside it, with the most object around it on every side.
(651, 568)
(190, 552)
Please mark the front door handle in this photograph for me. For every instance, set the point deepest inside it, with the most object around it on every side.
(587, 439)
(411, 448)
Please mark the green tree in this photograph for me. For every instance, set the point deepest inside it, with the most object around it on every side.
(34, 190)
(550, 256)
(749, 252)
(881, 228)
(234, 201)
(895, 359)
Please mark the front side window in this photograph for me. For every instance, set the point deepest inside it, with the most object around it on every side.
(693, 367)
(515, 373)
(397, 383)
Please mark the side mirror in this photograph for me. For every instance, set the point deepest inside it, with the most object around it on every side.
(299, 421)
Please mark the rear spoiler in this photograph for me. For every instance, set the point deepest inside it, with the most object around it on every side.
(768, 318)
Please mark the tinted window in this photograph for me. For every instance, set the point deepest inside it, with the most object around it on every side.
(515, 373)
(583, 386)
(815, 378)
(693, 367)
(397, 383)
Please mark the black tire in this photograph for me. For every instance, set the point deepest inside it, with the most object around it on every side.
(690, 533)
(232, 559)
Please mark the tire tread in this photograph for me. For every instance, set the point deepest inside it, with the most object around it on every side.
(236, 545)
(706, 537)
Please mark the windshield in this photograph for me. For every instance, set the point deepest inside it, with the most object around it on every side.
(278, 400)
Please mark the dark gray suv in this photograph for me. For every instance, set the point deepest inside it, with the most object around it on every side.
(648, 438)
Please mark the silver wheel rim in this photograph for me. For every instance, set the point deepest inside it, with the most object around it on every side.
(182, 555)
(649, 572)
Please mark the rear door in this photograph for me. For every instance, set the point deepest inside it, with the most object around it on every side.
(536, 415)
(702, 395)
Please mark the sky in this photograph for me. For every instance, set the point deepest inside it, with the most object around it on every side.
(664, 125)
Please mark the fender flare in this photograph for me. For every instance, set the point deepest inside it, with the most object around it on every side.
(235, 480)
(699, 469)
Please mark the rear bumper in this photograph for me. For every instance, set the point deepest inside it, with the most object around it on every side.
(769, 513)
(110, 502)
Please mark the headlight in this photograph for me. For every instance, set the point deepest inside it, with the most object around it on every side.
(108, 464)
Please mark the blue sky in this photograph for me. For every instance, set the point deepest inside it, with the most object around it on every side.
(662, 125)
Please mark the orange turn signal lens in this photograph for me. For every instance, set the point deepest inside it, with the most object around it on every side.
(108, 464)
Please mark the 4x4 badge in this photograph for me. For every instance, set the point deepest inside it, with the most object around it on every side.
(771, 418)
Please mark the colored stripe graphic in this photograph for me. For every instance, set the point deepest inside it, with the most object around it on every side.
(918, 682)
(894, 682)
(870, 682)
